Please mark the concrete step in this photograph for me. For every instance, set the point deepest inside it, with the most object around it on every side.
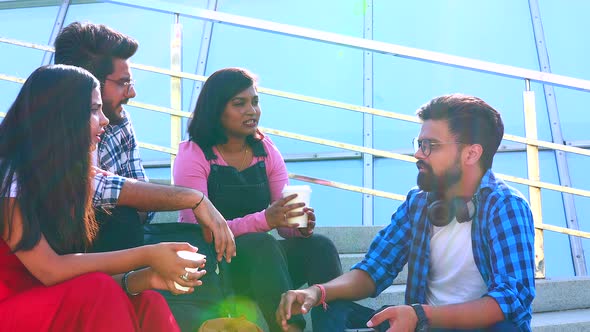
(350, 239)
(562, 294)
(560, 321)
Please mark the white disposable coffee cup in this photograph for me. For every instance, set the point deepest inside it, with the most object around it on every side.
(303, 196)
(193, 256)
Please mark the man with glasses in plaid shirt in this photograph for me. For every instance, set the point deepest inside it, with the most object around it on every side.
(465, 235)
(122, 192)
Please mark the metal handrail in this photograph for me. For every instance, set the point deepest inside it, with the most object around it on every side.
(313, 100)
(375, 152)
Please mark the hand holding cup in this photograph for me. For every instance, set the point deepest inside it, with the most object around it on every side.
(193, 256)
(300, 217)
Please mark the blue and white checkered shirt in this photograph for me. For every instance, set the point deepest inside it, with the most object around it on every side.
(502, 239)
(117, 153)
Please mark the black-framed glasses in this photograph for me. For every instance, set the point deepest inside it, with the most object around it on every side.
(126, 85)
(426, 145)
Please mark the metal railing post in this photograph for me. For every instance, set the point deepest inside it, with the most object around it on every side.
(59, 22)
(532, 153)
(368, 159)
(175, 89)
(203, 55)
(569, 206)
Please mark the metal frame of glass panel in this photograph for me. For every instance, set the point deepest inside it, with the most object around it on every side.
(579, 261)
(59, 22)
(368, 159)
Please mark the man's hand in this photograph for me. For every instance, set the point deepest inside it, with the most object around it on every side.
(401, 318)
(95, 170)
(296, 302)
(213, 222)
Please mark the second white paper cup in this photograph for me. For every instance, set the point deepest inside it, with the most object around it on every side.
(193, 256)
(303, 196)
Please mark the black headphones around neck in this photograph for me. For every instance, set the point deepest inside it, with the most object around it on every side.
(441, 211)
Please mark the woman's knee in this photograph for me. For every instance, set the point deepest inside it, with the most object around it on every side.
(321, 244)
(258, 242)
(150, 302)
(96, 282)
(94, 289)
(151, 298)
(259, 253)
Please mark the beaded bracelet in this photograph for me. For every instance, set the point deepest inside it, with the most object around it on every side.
(199, 203)
(124, 284)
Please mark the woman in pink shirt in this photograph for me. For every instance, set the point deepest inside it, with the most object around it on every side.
(243, 173)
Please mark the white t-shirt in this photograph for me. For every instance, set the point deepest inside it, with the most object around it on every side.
(453, 276)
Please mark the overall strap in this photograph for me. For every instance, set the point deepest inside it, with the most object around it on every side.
(258, 149)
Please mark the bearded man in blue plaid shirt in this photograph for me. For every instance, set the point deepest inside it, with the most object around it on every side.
(466, 237)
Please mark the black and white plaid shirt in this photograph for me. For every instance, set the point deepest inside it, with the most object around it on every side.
(117, 153)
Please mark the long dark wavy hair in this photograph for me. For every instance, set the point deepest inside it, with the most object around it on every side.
(44, 146)
(205, 126)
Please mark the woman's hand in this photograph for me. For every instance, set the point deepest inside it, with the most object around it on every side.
(307, 231)
(279, 211)
(157, 281)
(148, 278)
(164, 260)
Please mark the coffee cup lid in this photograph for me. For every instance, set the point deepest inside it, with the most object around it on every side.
(297, 188)
(193, 256)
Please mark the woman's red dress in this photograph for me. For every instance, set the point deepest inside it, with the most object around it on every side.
(90, 302)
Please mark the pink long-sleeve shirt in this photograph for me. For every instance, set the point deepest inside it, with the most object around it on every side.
(191, 169)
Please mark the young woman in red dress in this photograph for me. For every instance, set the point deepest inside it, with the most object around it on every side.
(47, 282)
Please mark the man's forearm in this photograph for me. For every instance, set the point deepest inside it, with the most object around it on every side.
(146, 196)
(352, 285)
(475, 314)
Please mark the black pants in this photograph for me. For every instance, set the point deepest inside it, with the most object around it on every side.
(342, 315)
(119, 228)
(264, 268)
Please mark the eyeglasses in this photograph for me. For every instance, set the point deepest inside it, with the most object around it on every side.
(426, 145)
(127, 85)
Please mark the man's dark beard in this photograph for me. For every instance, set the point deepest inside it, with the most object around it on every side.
(114, 117)
(427, 181)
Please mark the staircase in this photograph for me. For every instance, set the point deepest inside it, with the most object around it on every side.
(560, 305)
